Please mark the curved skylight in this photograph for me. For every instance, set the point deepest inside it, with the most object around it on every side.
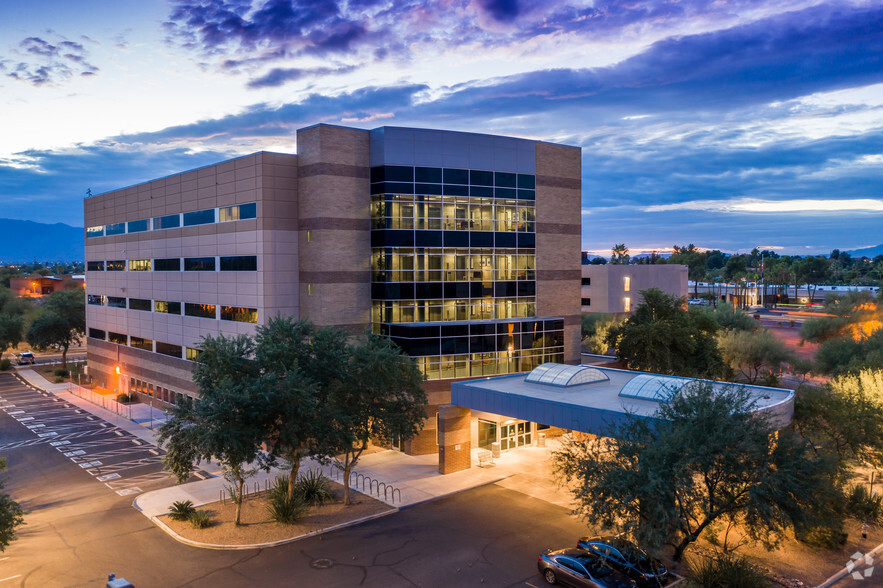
(556, 374)
(653, 387)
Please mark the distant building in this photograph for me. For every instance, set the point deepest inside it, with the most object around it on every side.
(36, 286)
(615, 288)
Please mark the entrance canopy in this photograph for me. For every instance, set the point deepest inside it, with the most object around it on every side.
(590, 399)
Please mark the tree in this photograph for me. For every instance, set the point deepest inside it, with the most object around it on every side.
(379, 396)
(812, 271)
(298, 363)
(595, 327)
(226, 422)
(620, 253)
(705, 458)
(661, 336)
(61, 322)
(730, 318)
(845, 417)
(11, 513)
(754, 355)
(10, 331)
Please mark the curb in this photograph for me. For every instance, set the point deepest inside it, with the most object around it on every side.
(845, 571)
(455, 492)
(218, 547)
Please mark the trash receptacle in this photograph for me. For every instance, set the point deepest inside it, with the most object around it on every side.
(495, 448)
(541, 439)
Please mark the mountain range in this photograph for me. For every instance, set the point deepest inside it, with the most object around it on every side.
(870, 252)
(24, 241)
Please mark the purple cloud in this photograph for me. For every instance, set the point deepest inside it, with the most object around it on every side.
(40, 62)
(279, 76)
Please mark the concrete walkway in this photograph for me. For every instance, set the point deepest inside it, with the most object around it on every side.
(390, 476)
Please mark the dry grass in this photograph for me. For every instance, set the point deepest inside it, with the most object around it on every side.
(257, 526)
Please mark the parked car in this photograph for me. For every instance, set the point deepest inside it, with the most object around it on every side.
(580, 568)
(26, 357)
(626, 557)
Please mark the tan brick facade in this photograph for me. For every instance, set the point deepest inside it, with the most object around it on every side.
(455, 448)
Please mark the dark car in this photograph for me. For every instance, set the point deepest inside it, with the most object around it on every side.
(581, 568)
(626, 557)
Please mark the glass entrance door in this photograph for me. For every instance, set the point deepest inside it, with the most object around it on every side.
(515, 435)
(487, 433)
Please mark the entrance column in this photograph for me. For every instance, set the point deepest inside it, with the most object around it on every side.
(454, 447)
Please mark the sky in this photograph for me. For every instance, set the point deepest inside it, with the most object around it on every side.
(727, 124)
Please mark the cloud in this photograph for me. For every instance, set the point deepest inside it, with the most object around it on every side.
(40, 62)
(279, 76)
(776, 206)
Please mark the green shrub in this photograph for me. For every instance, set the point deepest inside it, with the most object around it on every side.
(864, 506)
(60, 372)
(181, 510)
(824, 537)
(5, 364)
(123, 398)
(314, 488)
(60, 379)
(283, 509)
(724, 571)
(200, 519)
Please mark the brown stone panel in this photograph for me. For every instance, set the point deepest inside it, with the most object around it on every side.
(327, 144)
(454, 450)
(335, 224)
(333, 169)
(333, 277)
(556, 274)
(424, 443)
(559, 228)
(559, 162)
(553, 182)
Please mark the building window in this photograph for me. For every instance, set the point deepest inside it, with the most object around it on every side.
(241, 263)
(626, 284)
(168, 349)
(138, 226)
(172, 221)
(238, 314)
(116, 265)
(199, 217)
(141, 343)
(97, 334)
(627, 304)
(587, 281)
(95, 232)
(166, 307)
(115, 229)
(117, 338)
(309, 289)
(199, 264)
(239, 212)
(586, 301)
(95, 266)
(95, 299)
(167, 265)
(192, 354)
(116, 302)
(139, 265)
(200, 310)
(139, 304)
(309, 236)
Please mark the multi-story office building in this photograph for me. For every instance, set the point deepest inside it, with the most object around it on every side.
(616, 288)
(463, 248)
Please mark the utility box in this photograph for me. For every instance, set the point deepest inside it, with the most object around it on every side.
(114, 582)
(495, 449)
(541, 439)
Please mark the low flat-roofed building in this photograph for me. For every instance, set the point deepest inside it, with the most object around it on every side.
(512, 411)
(615, 288)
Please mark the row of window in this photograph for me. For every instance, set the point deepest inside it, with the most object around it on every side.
(452, 290)
(189, 353)
(405, 264)
(487, 364)
(479, 344)
(161, 393)
(227, 313)
(409, 211)
(448, 175)
(422, 311)
(173, 221)
(233, 263)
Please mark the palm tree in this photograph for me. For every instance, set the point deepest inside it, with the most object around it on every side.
(620, 253)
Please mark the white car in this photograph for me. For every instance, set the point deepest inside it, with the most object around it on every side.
(26, 357)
